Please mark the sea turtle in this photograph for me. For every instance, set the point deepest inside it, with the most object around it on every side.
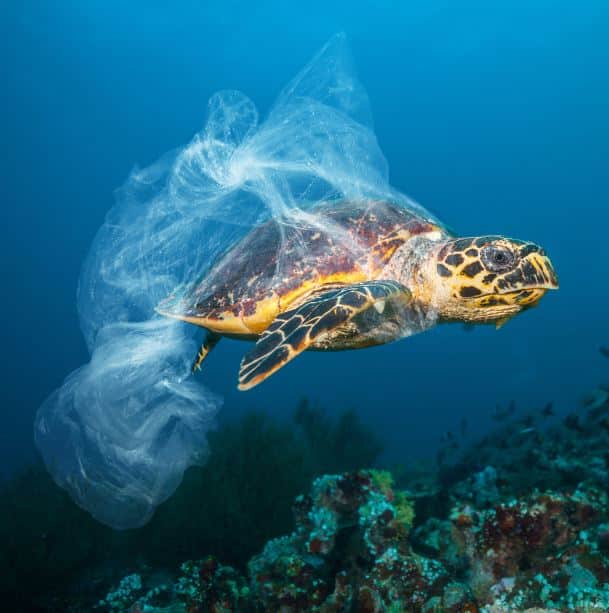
(356, 274)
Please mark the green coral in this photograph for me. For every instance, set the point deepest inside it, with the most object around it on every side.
(402, 505)
(383, 480)
(404, 510)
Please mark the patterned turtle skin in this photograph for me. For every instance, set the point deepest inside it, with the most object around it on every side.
(353, 275)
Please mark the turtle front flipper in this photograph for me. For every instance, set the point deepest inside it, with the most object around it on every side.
(296, 330)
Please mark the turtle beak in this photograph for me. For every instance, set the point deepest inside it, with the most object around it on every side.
(544, 274)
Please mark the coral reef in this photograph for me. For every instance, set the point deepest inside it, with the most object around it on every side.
(126, 593)
(352, 550)
(205, 585)
(542, 550)
(349, 551)
(517, 521)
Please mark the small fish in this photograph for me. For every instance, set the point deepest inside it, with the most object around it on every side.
(548, 410)
(527, 431)
(604, 351)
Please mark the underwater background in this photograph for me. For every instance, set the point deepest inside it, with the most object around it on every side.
(493, 116)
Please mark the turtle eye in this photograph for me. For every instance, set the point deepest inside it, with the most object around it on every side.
(498, 259)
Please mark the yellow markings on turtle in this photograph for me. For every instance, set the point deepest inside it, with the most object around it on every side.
(211, 340)
(297, 329)
(201, 355)
(540, 265)
(267, 309)
(224, 323)
(382, 251)
(531, 296)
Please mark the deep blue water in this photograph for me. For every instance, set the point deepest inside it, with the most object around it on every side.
(494, 117)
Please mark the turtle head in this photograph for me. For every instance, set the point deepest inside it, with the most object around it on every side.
(490, 278)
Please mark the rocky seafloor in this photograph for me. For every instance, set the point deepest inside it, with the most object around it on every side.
(516, 521)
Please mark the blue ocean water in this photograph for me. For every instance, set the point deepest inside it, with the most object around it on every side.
(494, 118)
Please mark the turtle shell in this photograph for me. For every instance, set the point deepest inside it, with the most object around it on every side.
(276, 264)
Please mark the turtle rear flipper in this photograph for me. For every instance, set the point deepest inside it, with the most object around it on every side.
(210, 341)
(295, 330)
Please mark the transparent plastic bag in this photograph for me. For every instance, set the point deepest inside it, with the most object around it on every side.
(122, 429)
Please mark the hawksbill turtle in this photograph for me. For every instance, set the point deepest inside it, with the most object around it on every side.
(363, 273)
